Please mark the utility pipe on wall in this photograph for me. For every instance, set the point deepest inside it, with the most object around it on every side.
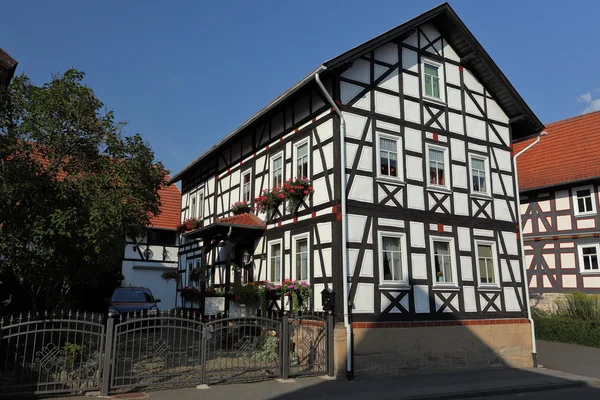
(522, 244)
(349, 370)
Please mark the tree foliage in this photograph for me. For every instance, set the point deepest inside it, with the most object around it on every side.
(72, 187)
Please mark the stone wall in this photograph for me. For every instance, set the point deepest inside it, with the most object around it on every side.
(545, 301)
(417, 347)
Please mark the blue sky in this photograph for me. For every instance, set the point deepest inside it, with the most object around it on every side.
(186, 73)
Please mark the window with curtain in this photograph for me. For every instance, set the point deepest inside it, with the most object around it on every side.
(302, 259)
(584, 201)
(275, 263)
(277, 172)
(391, 249)
(437, 167)
(388, 157)
(246, 187)
(443, 262)
(590, 258)
(432, 80)
(193, 206)
(302, 161)
(478, 175)
(485, 259)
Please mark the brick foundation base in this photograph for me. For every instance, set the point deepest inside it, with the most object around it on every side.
(401, 348)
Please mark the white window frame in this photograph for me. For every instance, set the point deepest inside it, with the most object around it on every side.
(486, 163)
(270, 255)
(190, 267)
(302, 142)
(193, 205)
(272, 158)
(200, 203)
(443, 285)
(399, 161)
(246, 172)
(295, 239)
(582, 269)
(404, 283)
(441, 77)
(496, 284)
(576, 205)
(447, 167)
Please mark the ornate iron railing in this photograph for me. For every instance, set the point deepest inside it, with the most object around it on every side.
(51, 353)
(74, 353)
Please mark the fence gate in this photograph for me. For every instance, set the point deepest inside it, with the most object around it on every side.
(154, 350)
(52, 353)
(238, 349)
(308, 346)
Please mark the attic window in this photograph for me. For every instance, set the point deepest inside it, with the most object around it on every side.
(433, 80)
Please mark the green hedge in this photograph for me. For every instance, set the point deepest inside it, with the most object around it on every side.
(557, 328)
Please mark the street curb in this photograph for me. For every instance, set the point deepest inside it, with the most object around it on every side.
(495, 392)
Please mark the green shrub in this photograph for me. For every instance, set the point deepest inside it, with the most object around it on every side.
(559, 328)
(579, 306)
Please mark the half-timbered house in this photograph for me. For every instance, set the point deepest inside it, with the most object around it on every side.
(406, 140)
(560, 198)
(147, 257)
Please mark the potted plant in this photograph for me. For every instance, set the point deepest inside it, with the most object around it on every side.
(269, 201)
(190, 293)
(295, 191)
(246, 293)
(170, 275)
(189, 224)
(240, 207)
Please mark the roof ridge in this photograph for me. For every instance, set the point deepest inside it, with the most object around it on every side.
(580, 116)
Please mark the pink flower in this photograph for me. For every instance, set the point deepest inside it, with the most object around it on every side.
(306, 192)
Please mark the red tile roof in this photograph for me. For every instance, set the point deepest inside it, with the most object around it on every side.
(170, 216)
(248, 219)
(569, 153)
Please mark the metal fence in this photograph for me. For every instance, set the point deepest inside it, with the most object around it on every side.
(75, 353)
(51, 353)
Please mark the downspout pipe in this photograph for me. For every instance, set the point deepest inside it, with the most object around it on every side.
(522, 244)
(349, 369)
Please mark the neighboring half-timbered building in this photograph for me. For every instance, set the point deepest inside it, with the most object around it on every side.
(414, 198)
(146, 258)
(560, 198)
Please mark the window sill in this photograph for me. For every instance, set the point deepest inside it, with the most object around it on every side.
(391, 181)
(585, 214)
(590, 272)
(481, 196)
(434, 100)
(393, 286)
(449, 288)
(440, 189)
(489, 288)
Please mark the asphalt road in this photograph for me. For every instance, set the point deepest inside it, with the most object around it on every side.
(569, 358)
(580, 393)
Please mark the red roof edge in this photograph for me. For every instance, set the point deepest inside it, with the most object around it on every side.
(247, 219)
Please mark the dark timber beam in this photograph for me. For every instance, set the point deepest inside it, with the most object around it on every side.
(468, 57)
(516, 119)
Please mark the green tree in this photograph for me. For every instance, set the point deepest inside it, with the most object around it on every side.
(72, 187)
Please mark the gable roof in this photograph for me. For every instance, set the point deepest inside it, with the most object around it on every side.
(8, 65)
(569, 153)
(170, 208)
(523, 121)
